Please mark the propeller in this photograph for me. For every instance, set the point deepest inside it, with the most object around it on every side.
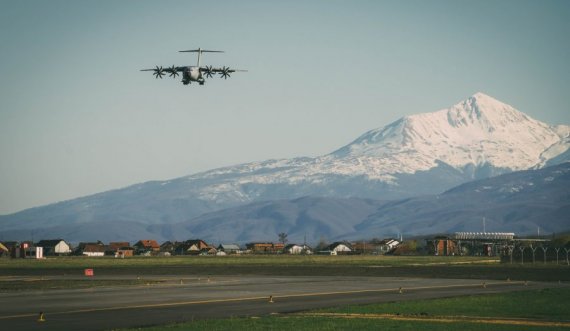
(173, 72)
(225, 72)
(209, 71)
(158, 72)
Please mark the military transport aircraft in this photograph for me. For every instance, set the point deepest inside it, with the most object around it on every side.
(193, 73)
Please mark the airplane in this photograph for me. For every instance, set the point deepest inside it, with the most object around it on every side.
(194, 73)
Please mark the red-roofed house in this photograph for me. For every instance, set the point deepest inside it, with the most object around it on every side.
(146, 247)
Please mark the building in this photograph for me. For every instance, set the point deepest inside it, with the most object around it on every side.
(338, 248)
(29, 250)
(295, 249)
(92, 250)
(265, 248)
(146, 247)
(120, 249)
(54, 247)
(192, 247)
(442, 245)
(169, 246)
(229, 249)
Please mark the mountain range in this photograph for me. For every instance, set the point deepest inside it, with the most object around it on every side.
(419, 155)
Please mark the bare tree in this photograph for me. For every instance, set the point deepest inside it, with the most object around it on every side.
(283, 238)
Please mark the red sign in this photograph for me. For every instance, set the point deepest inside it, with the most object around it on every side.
(89, 272)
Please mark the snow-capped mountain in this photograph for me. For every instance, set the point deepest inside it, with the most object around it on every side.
(477, 131)
(476, 138)
(416, 155)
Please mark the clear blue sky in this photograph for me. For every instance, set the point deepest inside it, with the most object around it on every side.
(78, 117)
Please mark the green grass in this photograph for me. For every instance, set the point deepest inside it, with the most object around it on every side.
(244, 260)
(550, 304)
(334, 324)
(465, 267)
(543, 305)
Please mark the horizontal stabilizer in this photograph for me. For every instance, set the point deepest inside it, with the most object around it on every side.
(200, 51)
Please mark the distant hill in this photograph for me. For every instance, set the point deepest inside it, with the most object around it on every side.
(517, 202)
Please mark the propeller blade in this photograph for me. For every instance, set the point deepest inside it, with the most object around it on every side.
(173, 72)
(225, 73)
(158, 72)
(209, 71)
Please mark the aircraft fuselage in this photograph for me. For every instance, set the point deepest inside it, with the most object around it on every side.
(192, 74)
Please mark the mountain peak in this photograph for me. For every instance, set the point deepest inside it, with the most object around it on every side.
(480, 130)
(481, 97)
(485, 112)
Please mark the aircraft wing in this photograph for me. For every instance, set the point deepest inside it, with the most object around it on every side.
(224, 72)
(160, 71)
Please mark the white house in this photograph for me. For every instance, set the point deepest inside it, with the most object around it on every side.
(297, 249)
(340, 248)
(93, 250)
(54, 247)
(229, 249)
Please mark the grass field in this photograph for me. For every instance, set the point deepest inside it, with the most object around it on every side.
(528, 310)
(316, 265)
(255, 260)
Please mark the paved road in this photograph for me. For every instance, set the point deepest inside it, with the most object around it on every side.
(183, 299)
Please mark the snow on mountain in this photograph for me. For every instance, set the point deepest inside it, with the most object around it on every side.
(478, 133)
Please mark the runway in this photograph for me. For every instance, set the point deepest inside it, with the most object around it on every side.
(178, 299)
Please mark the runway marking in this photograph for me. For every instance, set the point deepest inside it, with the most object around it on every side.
(264, 298)
(443, 319)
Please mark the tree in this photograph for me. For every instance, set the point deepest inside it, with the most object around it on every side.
(322, 245)
(283, 238)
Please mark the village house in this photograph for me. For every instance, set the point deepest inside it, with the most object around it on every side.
(120, 249)
(146, 247)
(169, 247)
(295, 249)
(339, 248)
(265, 248)
(210, 250)
(224, 249)
(192, 247)
(92, 250)
(54, 247)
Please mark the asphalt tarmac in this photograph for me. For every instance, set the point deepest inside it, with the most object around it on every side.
(178, 299)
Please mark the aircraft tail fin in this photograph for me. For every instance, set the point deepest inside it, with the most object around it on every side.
(200, 51)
